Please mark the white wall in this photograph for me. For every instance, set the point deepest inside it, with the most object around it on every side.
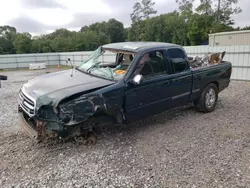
(230, 38)
(239, 56)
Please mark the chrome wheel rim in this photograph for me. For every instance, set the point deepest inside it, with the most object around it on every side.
(210, 98)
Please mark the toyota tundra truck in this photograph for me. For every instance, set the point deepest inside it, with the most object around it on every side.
(119, 83)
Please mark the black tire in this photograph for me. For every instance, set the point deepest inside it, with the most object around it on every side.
(2, 77)
(208, 99)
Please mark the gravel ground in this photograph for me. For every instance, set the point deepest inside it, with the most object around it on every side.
(179, 148)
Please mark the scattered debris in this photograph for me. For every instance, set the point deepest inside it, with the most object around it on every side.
(206, 60)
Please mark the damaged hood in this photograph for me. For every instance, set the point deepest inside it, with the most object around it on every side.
(53, 87)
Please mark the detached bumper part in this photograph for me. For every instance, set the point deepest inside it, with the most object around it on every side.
(27, 128)
(37, 134)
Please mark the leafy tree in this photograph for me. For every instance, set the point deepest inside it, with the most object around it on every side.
(115, 31)
(59, 33)
(91, 40)
(104, 39)
(136, 16)
(133, 32)
(7, 32)
(244, 28)
(198, 28)
(186, 12)
(22, 43)
(208, 18)
(62, 44)
(185, 26)
(84, 28)
(7, 36)
(224, 10)
(147, 8)
(205, 7)
(98, 27)
(41, 45)
(185, 6)
(141, 11)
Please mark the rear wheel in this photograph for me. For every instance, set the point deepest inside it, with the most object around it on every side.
(208, 99)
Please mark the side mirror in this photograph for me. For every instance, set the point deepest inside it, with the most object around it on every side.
(137, 79)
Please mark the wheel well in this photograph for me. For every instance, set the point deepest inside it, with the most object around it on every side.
(104, 118)
(108, 118)
(216, 83)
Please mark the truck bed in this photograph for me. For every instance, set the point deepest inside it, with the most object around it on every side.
(218, 74)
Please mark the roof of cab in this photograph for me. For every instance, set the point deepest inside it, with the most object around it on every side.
(137, 46)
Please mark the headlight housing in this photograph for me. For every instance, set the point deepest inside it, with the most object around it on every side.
(46, 112)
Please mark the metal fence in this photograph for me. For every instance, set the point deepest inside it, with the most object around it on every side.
(23, 60)
(78, 57)
(239, 56)
(16, 61)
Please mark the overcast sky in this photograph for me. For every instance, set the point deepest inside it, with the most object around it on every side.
(43, 16)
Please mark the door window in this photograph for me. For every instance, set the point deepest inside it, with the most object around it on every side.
(151, 64)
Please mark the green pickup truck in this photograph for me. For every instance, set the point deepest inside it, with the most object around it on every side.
(143, 78)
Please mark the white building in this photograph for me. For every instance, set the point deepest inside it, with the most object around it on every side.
(230, 38)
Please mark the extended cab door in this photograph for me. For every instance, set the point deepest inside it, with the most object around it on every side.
(152, 95)
(181, 76)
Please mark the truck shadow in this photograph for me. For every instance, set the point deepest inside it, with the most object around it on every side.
(116, 133)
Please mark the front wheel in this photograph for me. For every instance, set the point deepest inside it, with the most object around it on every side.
(208, 99)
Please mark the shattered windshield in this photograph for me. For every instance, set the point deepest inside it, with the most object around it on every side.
(107, 64)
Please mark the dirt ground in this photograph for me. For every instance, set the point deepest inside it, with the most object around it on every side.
(179, 148)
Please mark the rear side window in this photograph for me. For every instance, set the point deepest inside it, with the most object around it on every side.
(176, 53)
(178, 59)
(179, 65)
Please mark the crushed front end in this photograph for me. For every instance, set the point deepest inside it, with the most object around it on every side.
(42, 118)
(35, 128)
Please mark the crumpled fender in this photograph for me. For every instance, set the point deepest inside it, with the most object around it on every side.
(81, 108)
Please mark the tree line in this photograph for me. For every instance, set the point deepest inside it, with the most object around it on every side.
(185, 26)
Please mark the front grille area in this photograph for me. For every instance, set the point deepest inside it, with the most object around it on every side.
(26, 103)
